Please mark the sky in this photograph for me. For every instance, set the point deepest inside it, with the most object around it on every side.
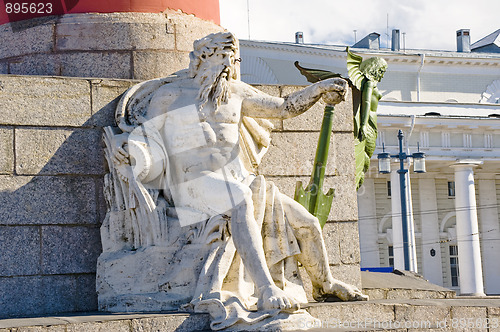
(426, 24)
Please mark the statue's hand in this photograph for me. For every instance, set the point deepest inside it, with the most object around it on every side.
(362, 133)
(120, 150)
(333, 98)
(334, 90)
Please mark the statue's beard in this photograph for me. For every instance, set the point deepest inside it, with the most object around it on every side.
(214, 87)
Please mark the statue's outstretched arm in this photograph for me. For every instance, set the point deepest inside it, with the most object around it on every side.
(261, 105)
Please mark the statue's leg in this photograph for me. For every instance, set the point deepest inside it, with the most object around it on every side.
(248, 242)
(215, 192)
(314, 256)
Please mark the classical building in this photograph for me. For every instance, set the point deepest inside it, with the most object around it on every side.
(447, 105)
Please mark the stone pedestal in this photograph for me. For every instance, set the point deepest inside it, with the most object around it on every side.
(113, 45)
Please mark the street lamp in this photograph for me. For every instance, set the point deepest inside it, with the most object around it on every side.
(384, 164)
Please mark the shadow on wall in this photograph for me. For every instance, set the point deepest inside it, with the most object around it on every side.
(51, 208)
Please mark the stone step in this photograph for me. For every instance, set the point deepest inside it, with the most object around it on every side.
(461, 313)
(401, 285)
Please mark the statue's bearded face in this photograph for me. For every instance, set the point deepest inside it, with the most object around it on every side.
(213, 76)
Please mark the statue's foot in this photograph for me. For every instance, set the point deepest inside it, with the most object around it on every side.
(340, 290)
(272, 297)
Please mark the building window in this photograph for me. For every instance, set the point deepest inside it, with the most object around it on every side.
(389, 188)
(451, 188)
(467, 140)
(390, 250)
(424, 139)
(488, 141)
(446, 140)
(454, 265)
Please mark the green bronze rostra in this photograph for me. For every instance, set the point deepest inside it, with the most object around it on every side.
(363, 77)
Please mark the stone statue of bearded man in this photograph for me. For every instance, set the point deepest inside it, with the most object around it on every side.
(189, 207)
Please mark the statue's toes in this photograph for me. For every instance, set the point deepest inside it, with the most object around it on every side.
(361, 297)
(356, 295)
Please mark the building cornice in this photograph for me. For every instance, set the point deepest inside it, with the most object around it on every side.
(440, 58)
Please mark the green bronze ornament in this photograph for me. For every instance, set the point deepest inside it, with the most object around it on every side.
(363, 78)
(365, 75)
(312, 197)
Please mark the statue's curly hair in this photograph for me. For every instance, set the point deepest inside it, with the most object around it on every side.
(208, 46)
(371, 68)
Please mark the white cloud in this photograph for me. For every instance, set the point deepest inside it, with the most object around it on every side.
(428, 24)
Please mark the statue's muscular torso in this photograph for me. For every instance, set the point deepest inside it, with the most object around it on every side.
(198, 141)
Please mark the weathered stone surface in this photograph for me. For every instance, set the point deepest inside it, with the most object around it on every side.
(70, 249)
(152, 64)
(188, 28)
(67, 293)
(59, 292)
(494, 312)
(312, 119)
(116, 31)
(468, 318)
(334, 314)
(494, 318)
(371, 316)
(175, 322)
(6, 150)
(32, 295)
(273, 90)
(343, 150)
(100, 44)
(299, 149)
(347, 273)
(96, 64)
(58, 151)
(57, 328)
(35, 36)
(19, 250)
(115, 326)
(348, 234)
(21, 296)
(414, 294)
(332, 243)
(105, 97)
(35, 64)
(427, 312)
(45, 101)
(344, 207)
(85, 299)
(4, 67)
(47, 200)
(375, 293)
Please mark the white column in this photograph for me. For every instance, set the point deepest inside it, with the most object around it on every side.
(490, 244)
(411, 225)
(469, 252)
(397, 227)
(431, 265)
(367, 223)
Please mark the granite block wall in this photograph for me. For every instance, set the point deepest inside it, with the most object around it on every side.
(51, 180)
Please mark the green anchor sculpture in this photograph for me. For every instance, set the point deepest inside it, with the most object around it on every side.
(363, 77)
(312, 197)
